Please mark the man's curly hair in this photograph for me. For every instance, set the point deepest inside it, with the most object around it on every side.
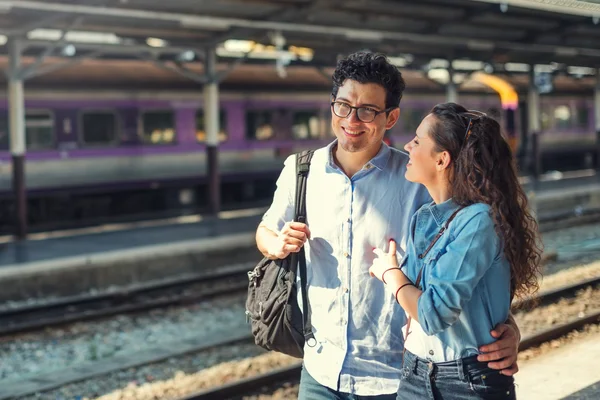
(370, 68)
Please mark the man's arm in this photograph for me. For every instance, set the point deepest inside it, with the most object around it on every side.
(291, 238)
(502, 354)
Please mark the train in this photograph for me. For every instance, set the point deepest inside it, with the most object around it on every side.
(98, 155)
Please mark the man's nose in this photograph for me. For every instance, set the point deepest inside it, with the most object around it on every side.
(353, 117)
(407, 147)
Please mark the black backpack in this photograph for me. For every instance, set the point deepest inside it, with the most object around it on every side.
(272, 307)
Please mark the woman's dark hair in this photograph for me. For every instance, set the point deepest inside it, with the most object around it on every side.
(370, 68)
(483, 170)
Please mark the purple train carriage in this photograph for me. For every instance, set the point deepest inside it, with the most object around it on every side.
(92, 155)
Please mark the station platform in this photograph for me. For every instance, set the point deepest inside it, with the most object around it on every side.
(569, 372)
(130, 253)
(68, 263)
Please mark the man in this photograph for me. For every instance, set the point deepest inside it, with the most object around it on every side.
(357, 199)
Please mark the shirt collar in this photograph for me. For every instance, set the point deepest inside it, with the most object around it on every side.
(441, 212)
(379, 161)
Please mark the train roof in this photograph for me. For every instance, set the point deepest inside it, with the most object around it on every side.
(139, 75)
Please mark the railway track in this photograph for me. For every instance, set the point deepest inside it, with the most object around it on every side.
(291, 373)
(179, 291)
(241, 334)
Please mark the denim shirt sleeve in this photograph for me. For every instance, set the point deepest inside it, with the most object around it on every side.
(453, 277)
(282, 207)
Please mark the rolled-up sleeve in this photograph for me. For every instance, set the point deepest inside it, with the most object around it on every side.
(454, 276)
(282, 207)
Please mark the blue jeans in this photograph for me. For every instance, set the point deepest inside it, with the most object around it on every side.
(310, 389)
(462, 379)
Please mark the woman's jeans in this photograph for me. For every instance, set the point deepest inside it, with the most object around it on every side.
(461, 379)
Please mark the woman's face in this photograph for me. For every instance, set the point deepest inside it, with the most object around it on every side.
(423, 164)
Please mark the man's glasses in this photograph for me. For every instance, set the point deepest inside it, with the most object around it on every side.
(364, 114)
(471, 116)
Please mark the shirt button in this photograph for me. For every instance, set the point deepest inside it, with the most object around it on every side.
(368, 166)
(346, 254)
(431, 352)
(345, 289)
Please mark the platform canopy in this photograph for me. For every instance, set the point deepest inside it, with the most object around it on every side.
(313, 32)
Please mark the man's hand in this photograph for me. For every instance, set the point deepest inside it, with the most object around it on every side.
(290, 240)
(503, 352)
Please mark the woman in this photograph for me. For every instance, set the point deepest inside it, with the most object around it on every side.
(470, 252)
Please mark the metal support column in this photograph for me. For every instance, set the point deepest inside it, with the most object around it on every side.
(533, 107)
(17, 137)
(451, 92)
(211, 115)
(597, 119)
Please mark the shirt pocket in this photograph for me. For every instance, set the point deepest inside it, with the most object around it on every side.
(429, 263)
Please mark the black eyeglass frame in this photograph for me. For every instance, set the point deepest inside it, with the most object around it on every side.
(357, 108)
(472, 116)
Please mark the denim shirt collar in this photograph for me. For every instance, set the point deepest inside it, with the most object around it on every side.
(379, 161)
(441, 212)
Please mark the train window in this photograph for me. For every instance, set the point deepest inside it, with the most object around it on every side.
(39, 130)
(4, 131)
(158, 127)
(200, 126)
(411, 119)
(259, 125)
(546, 120)
(99, 127)
(582, 117)
(562, 117)
(307, 125)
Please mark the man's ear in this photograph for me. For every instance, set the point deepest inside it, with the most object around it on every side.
(392, 118)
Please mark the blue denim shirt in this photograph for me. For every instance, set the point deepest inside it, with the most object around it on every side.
(465, 281)
(357, 323)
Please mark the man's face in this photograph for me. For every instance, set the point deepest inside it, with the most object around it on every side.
(353, 134)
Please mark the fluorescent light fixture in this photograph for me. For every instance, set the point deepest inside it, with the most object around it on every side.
(467, 65)
(3, 40)
(303, 53)
(543, 68)
(246, 48)
(239, 45)
(516, 67)
(440, 75)
(398, 61)
(438, 63)
(263, 55)
(156, 42)
(575, 70)
(74, 36)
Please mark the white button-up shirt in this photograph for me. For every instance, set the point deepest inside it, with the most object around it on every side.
(357, 324)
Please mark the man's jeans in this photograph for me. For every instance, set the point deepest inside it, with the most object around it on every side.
(452, 380)
(310, 389)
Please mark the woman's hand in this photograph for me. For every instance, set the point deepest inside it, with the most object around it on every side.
(384, 262)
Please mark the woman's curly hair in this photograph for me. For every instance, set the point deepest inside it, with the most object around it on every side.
(483, 171)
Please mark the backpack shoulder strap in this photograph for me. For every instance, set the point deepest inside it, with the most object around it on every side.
(302, 169)
(303, 160)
